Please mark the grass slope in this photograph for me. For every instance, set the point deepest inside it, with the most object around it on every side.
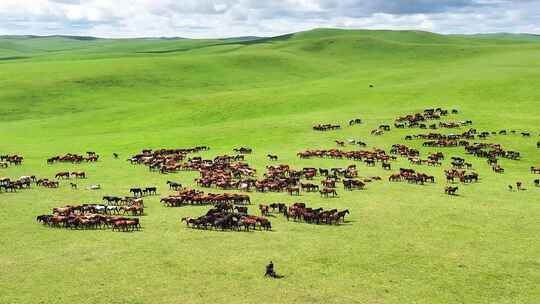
(402, 244)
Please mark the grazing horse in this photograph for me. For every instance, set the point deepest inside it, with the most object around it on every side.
(150, 190)
(62, 175)
(537, 182)
(293, 190)
(136, 191)
(248, 222)
(327, 191)
(498, 169)
(120, 225)
(241, 209)
(134, 210)
(272, 157)
(355, 121)
(188, 220)
(78, 174)
(174, 185)
(451, 190)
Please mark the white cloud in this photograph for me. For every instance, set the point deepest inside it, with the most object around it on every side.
(220, 18)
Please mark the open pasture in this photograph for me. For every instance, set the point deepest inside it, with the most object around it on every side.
(403, 241)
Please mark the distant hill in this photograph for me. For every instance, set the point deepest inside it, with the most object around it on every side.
(507, 36)
(30, 45)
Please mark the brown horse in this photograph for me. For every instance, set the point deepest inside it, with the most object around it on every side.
(62, 211)
(293, 190)
(265, 209)
(134, 210)
(78, 174)
(341, 215)
(327, 191)
(450, 190)
(248, 222)
(62, 175)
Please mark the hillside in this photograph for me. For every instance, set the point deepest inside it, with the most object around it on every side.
(402, 243)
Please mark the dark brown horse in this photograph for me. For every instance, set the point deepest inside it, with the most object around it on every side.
(327, 191)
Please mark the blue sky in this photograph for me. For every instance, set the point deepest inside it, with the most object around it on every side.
(228, 18)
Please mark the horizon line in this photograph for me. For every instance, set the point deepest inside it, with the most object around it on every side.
(258, 37)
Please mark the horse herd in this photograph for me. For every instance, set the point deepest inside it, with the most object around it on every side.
(225, 217)
(231, 172)
(97, 216)
(74, 158)
(90, 221)
(23, 182)
(6, 160)
(299, 212)
(191, 197)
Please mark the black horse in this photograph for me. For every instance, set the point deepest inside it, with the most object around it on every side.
(136, 191)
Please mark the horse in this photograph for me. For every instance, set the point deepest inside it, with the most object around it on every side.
(174, 185)
(355, 121)
(62, 175)
(136, 191)
(151, 190)
(62, 211)
(78, 174)
(341, 215)
(272, 157)
(265, 209)
(241, 209)
(248, 222)
(451, 190)
(293, 190)
(134, 210)
(327, 191)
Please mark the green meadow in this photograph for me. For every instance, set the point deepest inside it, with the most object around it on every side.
(401, 243)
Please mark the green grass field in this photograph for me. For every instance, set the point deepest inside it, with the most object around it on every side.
(402, 243)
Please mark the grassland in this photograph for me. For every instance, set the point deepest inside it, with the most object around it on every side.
(402, 243)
